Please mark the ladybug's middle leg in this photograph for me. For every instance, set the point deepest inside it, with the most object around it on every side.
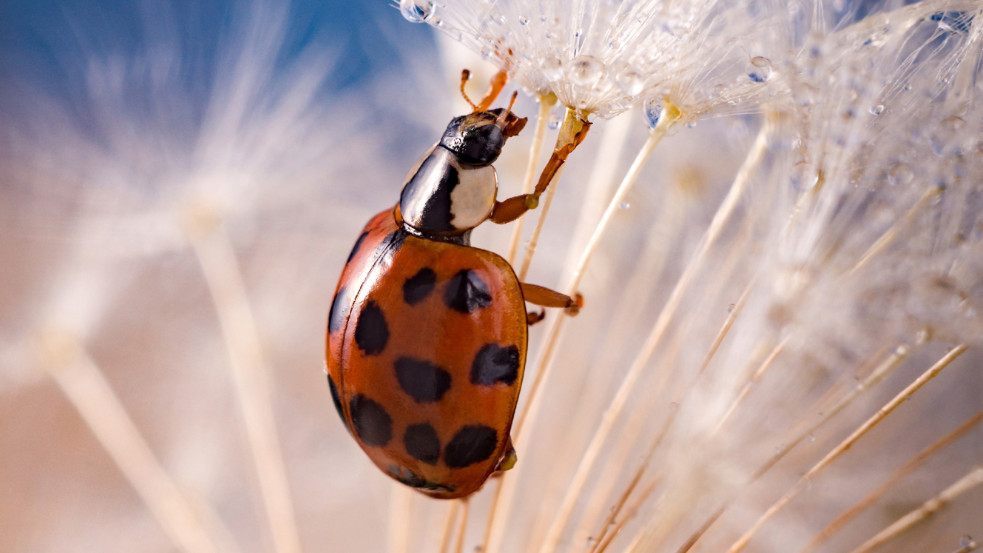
(540, 295)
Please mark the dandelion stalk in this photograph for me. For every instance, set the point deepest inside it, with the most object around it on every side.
(628, 383)
(571, 132)
(918, 460)
(847, 443)
(249, 373)
(400, 514)
(502, 500)
(463, 527)
(882, 370)
(447, 534)
(546, 103)
(972, 479)
(83, 383)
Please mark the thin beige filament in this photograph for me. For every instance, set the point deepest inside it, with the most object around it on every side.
(189, 524)
(847, 443)
(250, 374)
(546, 104)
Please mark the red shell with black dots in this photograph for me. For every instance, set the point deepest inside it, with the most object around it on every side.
(425, 352)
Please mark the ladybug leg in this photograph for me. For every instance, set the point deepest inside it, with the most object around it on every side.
(508, 459)
(558, 158)
(511, 209)
(545, 297)
(533, 317)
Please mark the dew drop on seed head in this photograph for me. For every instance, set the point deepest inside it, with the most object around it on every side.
(877, 109)
(523, 20)
(629, 81)
(585, 70)
(946, 134)
(760, 69)
(624, 205)
(551, 67)
(653, 111)
(554, 121)
(804, 176)
(417, 11)
(967, 541)
(899, 174)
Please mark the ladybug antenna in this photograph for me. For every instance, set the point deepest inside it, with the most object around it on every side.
(504, 114)
(465, 75)
(494, 88)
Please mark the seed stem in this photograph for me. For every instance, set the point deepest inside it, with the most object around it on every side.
(250, 375)
(847, 443)
(546, 103)
(918, 460)
(191, 525)
(972, 479)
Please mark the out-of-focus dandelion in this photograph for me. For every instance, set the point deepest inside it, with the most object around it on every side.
(778, 350)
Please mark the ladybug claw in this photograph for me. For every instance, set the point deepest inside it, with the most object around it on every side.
(533, 317)
(575, 306)
(508, 459)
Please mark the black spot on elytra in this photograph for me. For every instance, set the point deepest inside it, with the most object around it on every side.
(419, 285)
(472, 444)
(466, 292)
(355, 248)
(371, 332)
(413, 480)
(423, 381)
(335, 398)
(371, 422)
(338, 308)
(422, 443)
(495, 363)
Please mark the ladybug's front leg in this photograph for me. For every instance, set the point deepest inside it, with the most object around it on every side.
(540, 295)
(512, 208)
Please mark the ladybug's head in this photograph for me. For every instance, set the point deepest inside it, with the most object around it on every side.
(477, 138)
(453, 188)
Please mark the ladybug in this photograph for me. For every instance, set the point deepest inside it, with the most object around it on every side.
(426, 340)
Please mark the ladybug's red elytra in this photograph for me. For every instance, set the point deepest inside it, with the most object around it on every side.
(426, 339)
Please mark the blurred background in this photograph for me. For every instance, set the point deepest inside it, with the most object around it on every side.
(181, 183)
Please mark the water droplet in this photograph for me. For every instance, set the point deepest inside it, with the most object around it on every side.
(811, 438)
(967, 541)
(417, 11)
(585, 70)
(629, 81)
(901, 351)
(906, 87)
(804, 176)
(653, 111)
(899, 174)
(877, 109)
(523, 20)
(946, 134)
(760, 69)
(552, 68)
(554, 121)
(624, 205)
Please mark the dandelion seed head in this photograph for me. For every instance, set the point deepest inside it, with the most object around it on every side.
(604, 58)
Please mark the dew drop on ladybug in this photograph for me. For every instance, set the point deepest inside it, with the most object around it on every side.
(427, 335)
